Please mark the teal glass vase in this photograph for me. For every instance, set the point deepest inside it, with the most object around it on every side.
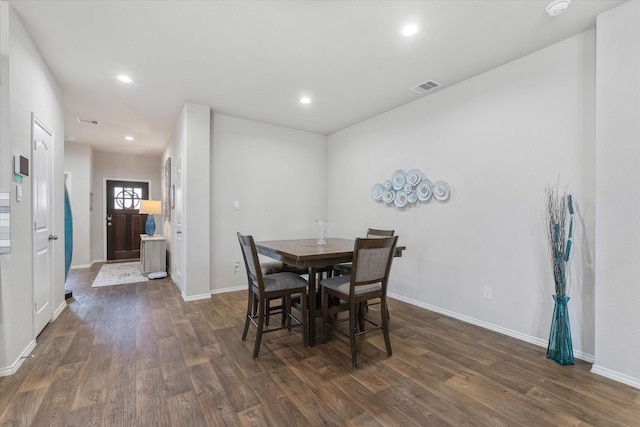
(560, 346)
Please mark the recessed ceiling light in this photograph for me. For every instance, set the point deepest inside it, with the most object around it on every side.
(557, 7)
(129, 138)
(409, 30)
(305, 100)
(124, 78)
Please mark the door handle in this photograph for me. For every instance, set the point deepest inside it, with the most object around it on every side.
(108, 224)
(178, 232)
(53, 237)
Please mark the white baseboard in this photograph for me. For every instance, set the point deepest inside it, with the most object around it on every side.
(77, 266)
(616, 376)
(511, 333)
(226, 290)
(196, 297)
(13, 368)
(59, 310)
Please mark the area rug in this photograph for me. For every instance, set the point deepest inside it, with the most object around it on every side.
(119, 274)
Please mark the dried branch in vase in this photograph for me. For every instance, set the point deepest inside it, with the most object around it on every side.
(559, 207)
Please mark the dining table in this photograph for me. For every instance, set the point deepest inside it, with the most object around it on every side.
(308, 254)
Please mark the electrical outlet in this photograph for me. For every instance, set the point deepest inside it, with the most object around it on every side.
(487, 293)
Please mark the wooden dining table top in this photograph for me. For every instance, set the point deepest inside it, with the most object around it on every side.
(307, 252)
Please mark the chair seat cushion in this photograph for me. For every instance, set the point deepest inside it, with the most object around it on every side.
(280, 267)
(343, 269)
(280, 281)
(343, 283)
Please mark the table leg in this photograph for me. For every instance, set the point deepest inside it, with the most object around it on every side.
(312, 306)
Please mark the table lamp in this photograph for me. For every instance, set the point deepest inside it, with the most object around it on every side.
(151, 208)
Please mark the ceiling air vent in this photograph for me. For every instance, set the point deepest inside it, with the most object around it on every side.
(87, 121)
(425, 87)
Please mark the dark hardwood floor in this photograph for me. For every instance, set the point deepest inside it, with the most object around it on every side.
(138, 355)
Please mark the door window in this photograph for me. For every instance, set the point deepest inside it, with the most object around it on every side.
(127, 197)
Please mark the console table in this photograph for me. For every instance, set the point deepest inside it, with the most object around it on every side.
(153, 253)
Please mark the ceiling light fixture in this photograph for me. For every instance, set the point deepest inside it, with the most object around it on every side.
(305, 100)
(557, 7)
(129, 138)
(124, 78)
(409, 30)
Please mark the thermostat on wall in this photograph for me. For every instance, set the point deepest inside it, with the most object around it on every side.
(21, 165)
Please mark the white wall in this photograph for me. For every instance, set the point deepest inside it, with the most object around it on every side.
(498, 139)
(27, 87)
(618, 195)
(278, 175)
(118, 166)
(78, 160)
(188, 149)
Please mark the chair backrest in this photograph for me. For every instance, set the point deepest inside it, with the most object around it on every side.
(372, 261)
(251, 262)
(372, 232)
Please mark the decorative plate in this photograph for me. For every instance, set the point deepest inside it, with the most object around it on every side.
(388, 185)
(401, 199)
(377, 191)
(423, 190)
(399, 179)
(441, 190)
(412, 197)
(388, 196)
(408, 188)
(413, 177)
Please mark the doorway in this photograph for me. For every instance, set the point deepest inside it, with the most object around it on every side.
(123, 221)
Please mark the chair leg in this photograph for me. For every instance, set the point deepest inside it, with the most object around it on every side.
(305, 315)
(261, 312)
(352, 334)
(267, 311)
(250, 307)
(284, 314)
(361, 312)
(286, 311)
(385, 324)
(325, 315)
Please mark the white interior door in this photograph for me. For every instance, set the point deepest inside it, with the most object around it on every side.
(42, 184)
(178, 252)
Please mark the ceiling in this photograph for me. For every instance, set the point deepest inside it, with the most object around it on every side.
(255, 59)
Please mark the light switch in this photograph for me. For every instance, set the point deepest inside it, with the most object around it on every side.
(18, 192)
(236, 204)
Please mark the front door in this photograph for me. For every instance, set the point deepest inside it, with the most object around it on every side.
(124, 223)
(42, 237)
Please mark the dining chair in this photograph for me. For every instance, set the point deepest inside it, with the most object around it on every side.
(345, 268)
(264, 288)
(368, 281)
(271, 268)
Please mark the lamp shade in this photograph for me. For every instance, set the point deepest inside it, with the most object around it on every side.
(151, 207)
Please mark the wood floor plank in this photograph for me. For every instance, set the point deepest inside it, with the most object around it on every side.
(174, 368)
(184, 410)
(151, 405)
(139, 355)
(60, 395)
(215, 404)
(22, 408)
(94, 377)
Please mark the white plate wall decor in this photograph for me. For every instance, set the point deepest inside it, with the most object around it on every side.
(411, 188)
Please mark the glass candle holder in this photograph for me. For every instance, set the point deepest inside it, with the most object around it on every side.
(322, 225)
